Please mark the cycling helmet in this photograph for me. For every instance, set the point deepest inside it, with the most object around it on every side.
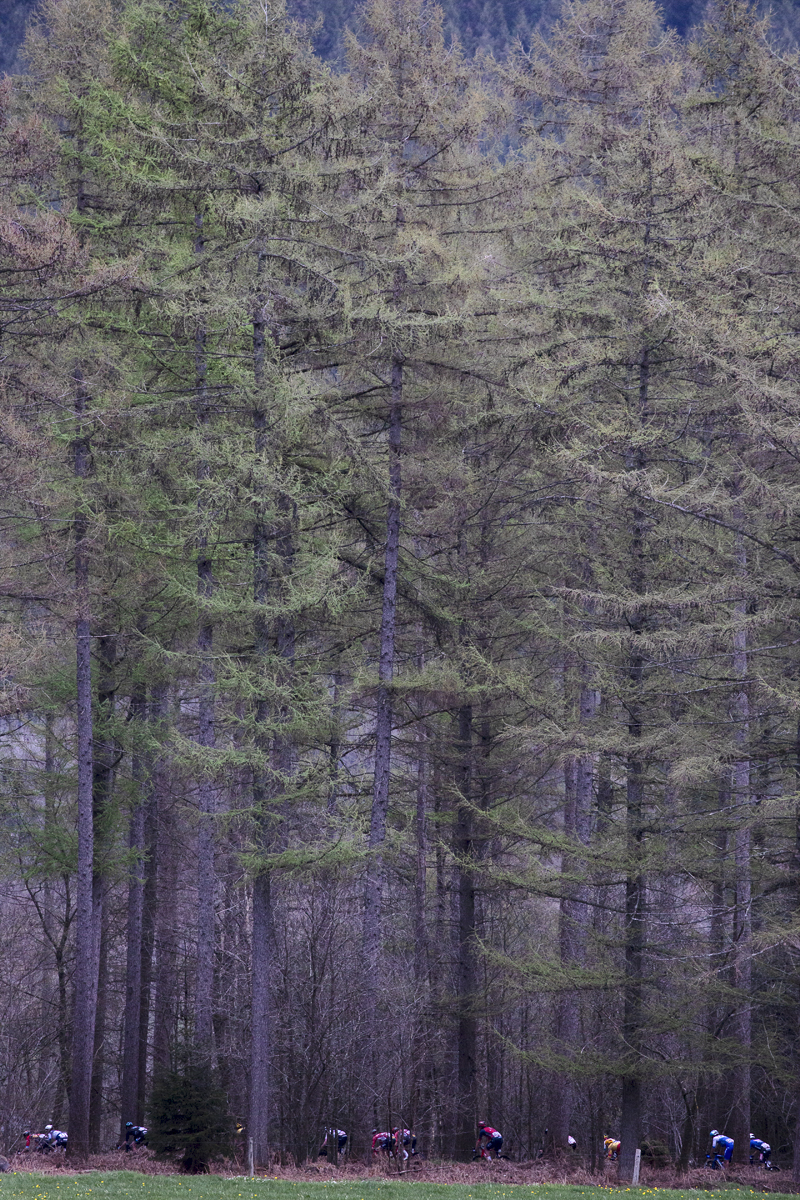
(714, 1133)
(47, 1128)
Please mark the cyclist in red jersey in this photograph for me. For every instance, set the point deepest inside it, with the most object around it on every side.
(382, 1143)
(489, 1141)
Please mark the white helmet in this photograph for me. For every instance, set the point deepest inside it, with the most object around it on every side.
(47, 1127)
(714, 1133)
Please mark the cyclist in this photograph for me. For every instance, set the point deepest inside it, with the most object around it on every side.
(612, 1147)
(341, 1139)
(488, 1139)
(762, 1149)
(54, 1139)
(135, 1135)
(402, 1138)
(721, 1149)
(382, 1143)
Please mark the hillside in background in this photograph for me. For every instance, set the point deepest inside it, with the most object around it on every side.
(478, 24)
(13, 16)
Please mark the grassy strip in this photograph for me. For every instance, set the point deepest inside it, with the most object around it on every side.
(130, 1185)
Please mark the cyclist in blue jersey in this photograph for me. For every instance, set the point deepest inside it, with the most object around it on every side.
(760, 1152)
(721, 1149)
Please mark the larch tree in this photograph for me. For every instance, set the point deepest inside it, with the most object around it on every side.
(404, 223)
(79, 359)
(607, 108)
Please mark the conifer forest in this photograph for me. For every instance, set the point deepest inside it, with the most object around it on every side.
(400, 578)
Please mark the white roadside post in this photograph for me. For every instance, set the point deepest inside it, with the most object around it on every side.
(637, 1162)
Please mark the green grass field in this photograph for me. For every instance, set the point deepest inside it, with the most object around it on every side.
(128, 1185)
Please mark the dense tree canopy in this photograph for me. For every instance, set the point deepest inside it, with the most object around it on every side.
(493, 25)
(399, 545)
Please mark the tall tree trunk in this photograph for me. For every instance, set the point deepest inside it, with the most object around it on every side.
(796, 871)
(101, 1013)
(689, 1129)
(566, 1014)
(102, 782)
(741, 1023)
(573, 919)
(169, 839)
(421, 966)
(261, 1041)
(633, 990)
(720, 936)
(148, 948)
(467, 967)
(334, 746)
(156, 792)
(48, 1009)
(64, 1062)
(206, 860)
(630, 1122)
(263, 934)
(206, 737)
(87, 931)
(156, 789)
(373, 880)
(423, 1065)
(166, 946)
(129, 1088)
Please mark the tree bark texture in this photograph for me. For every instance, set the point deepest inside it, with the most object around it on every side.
(796, 900)
(573, 920)
(129, 1088)
(167, 937)
(104, 756)
(96, 1105)
(276, 749)
(261, 978)
(633, 991)
(741, 1024)
(373, 880)
(467, 965)
(206, 734)
(261, 1039)
(87, 931)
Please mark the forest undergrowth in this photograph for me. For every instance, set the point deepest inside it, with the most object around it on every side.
(538, 1173)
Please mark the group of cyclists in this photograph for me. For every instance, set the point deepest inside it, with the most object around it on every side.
(56, 1139)
(399, 1143)
(722, 1152)
(402, 1143)
(45, 1143)
(394, 1143)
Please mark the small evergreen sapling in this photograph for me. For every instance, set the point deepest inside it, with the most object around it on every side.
(189, 1117)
